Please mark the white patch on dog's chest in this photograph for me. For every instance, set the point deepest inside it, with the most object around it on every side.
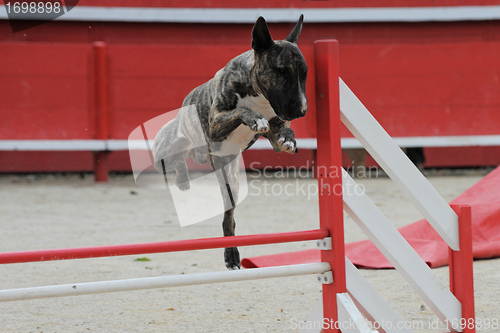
(243, 135)
(258, 104)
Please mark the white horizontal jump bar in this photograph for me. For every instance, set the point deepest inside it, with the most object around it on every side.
(249, 15)
(161, 282)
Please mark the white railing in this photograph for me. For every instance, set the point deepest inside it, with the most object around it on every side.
(379, 229)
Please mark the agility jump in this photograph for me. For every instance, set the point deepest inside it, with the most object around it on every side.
(342, 299)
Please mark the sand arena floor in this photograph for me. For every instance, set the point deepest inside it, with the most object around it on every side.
(58, 211)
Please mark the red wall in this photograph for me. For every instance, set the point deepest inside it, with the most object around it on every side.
(416, 78)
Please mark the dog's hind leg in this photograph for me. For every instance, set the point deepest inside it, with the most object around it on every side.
(227, 169)
(231, 254)
(170, 151)
(182, 175)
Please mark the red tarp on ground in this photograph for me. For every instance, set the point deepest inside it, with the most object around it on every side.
(483, 197)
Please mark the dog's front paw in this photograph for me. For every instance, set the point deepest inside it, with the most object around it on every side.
(260, 125)
(290, 145)
(232, 258)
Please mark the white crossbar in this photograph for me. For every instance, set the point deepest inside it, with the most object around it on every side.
(372, 305)
(399, 253)
(397, 165)
(349, 315)
(161, 282)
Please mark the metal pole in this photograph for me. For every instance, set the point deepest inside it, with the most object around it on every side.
(160, 282)
(160, 247)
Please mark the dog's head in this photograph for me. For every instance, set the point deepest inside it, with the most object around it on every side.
(280, 71)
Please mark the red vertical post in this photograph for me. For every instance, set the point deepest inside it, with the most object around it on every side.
(329, 172)
(461, 269)
(100, 107)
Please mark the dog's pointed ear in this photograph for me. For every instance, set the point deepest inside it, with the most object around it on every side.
(261, 38)
(293, 37)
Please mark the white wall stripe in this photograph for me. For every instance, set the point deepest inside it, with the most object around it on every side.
(249, 15)
(52, 145)
(263, 144)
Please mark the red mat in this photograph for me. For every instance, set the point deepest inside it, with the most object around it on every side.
(483, 197)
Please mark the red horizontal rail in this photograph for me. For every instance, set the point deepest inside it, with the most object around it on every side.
(160, 247)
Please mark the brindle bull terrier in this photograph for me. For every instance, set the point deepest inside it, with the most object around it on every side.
(255, 95)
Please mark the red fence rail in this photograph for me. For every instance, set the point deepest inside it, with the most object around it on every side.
(160, 247)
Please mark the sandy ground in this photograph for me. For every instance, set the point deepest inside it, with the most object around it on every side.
(44, 212)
